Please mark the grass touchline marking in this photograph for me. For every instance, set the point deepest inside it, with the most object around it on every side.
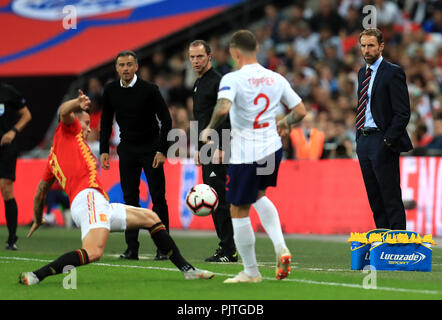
(326, 283)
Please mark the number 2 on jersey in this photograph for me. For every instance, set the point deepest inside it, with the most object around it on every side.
(257, 125)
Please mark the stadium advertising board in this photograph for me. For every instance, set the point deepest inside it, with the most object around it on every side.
(318, 197)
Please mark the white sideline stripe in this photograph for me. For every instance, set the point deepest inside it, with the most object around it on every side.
(323, 283)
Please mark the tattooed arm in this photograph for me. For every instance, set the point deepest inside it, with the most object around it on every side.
(296, 115)
(219, 115)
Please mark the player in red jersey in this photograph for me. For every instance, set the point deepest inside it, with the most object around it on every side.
(74, 166)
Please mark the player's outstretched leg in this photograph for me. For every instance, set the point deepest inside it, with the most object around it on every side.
(74, 258)
(93, 247)
(165, 243)
(144, 218)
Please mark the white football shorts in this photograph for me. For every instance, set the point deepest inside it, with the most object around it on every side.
(91, 210)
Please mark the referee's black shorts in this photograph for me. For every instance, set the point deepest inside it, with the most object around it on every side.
(8, 161)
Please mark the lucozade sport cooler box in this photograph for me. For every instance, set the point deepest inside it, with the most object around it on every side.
(360, 248)
(391, 250)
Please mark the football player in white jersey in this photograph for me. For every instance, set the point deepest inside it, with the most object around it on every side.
(250, 96)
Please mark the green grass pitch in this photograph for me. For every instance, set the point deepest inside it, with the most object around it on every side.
(321, 270)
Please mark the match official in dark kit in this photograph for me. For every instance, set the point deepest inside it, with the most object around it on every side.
(144, 121)
(14, 116)
(205, 92)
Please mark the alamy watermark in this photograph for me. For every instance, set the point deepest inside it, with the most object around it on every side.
(370, 280)
(69, 17)
(70, 280)
(245, 142)
(369, 21)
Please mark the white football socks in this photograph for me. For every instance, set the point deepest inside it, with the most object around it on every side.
(244, 238)
(268, 214)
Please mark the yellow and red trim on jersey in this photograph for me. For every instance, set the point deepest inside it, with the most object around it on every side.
(91, 163)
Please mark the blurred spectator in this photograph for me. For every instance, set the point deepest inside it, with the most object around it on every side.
(327, 79)
(159, 64)
(387, 13)
(330, 140)
(286, 34)
(421, 135)
(327, 18)
(307, 141)
(162, 81)
(344, 149)
(57, 198)
(353, 22)
(296, 12)
(321, 99)
(436, 142)
(272, 20)
(272, 59)
(176, 63)
(315, 45)
(177, 92)
(345, 6)
(307, 42)
(94, 92)
(420, 11)
(265, 42)
(434, 24)
(145, 73)
(221, 60)
(95, 88)
(326, 40)
(180, 120)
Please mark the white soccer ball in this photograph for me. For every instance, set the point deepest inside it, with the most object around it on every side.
(202, 200)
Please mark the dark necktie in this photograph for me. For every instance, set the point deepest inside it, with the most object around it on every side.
(362, 104)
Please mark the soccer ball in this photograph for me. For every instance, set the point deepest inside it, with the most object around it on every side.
(202, 200)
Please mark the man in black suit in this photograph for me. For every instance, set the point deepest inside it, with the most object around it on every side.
(382, 116)
(144, 121)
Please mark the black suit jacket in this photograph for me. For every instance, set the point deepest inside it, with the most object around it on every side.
(390, 104)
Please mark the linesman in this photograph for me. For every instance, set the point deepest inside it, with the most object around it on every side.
(205, 91)
(14, 116)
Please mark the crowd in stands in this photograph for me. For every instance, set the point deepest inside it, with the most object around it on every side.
(314, 44)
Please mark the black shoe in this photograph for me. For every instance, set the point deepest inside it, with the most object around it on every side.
(129, 254)
(159, 256)
(11, 244)
(221, 256)
(213, 258)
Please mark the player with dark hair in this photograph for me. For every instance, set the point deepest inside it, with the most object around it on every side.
(250, 96)
(14, 116)
(74, 166)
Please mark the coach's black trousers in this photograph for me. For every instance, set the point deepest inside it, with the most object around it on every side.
(215, 175)
(132, 161)
(380, 170)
